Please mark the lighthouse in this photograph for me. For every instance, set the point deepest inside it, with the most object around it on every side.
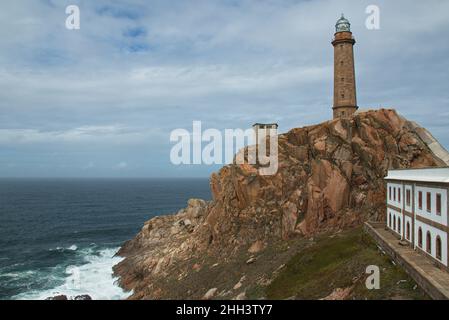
(345, 98)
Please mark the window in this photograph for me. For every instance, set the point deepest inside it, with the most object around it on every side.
(407, 197)
(420, 238)
(420, 200)
(438, 248)
(394, 194)
(342, 79)
(438, 204)
(429, 202)
(389, 193)
(394, 223)
(428, 243)
(389, 220)
(407, 235)
(399, 225)
(342, 63)
(342, 96)
(399, 194)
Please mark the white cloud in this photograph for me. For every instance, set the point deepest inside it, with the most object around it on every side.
(121, 165)
(86, 134)
(88, 166)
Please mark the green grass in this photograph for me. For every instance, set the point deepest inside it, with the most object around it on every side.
(340, 261)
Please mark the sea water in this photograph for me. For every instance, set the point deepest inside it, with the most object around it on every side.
(59, 236)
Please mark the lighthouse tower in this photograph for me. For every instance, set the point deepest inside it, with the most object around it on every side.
(345, 100)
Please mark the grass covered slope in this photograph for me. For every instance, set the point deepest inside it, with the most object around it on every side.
(335, 265)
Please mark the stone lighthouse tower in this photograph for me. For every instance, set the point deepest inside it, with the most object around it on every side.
(345, 100)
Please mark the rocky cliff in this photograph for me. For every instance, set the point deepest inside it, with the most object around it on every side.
(330, 178)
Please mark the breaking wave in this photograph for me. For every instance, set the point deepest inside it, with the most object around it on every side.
(92, 276)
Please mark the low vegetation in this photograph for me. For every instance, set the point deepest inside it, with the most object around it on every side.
(340, 261)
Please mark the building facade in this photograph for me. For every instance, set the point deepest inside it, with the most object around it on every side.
(345, 97)
(417, 210)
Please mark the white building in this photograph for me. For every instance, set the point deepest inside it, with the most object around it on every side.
(417, 209)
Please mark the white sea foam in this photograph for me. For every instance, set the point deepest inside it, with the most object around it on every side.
(73, 247)
(93, 277)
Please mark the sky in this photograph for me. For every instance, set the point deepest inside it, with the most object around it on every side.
(102, 101)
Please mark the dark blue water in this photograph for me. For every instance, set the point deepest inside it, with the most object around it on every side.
(59, 236)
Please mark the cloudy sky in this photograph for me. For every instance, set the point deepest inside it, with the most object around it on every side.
(101, 101)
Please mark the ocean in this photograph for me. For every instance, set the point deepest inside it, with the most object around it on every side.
(59, 236)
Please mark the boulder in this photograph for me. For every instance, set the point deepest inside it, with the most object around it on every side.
(210, 294)
(256, 247)
(83, 297)
(58, 297)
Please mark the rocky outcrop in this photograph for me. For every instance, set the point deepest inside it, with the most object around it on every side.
(330, 177)
(64, 297)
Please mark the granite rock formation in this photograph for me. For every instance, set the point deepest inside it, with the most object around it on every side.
(330, 178)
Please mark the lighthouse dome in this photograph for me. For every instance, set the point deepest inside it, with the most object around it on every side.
(343, 25)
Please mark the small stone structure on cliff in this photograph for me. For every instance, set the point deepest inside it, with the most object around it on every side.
(263, 129)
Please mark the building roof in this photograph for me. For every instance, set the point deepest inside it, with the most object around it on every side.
(265, 124)
(343, 24)
(437, 174)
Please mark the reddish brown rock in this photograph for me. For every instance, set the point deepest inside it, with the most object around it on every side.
(330, 177)
(339, 294)
(256, 247)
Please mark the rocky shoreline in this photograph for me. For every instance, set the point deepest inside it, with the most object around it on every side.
(330, 178)
(64, 297)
